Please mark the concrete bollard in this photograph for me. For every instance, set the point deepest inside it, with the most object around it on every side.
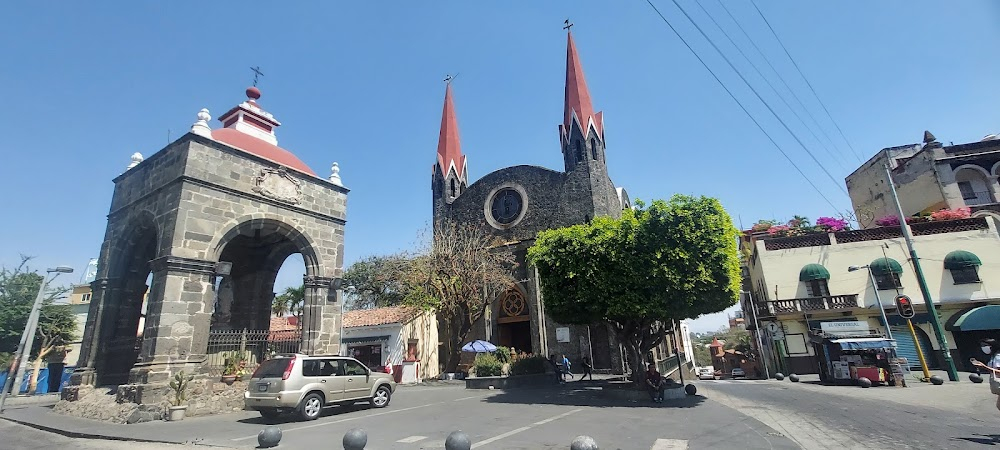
(975, 378)
(355, 439)
(865, 382)
(794, 378)
(779, 376)
(936, 380)
(269, 437)
(583, 443)
(458, 440)
(691, 389)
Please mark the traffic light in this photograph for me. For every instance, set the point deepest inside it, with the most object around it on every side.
(904, 306)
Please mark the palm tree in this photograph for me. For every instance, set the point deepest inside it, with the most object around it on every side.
(799, 222)
(289, 302)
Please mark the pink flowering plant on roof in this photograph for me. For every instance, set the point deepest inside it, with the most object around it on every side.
(831, 224)
(951, 214)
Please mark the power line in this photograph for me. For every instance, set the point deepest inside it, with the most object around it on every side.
(781, 78)
(806, 80)
(768, 82)
(766, 104)
(738, 102)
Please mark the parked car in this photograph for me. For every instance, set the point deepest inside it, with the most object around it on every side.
(706, 373)
(738, 373)
(302, 384)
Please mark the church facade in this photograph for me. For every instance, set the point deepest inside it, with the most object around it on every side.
(516, 203)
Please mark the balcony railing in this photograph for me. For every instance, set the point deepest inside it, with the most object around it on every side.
(798, 305)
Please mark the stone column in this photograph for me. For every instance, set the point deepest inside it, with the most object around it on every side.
(85, 373)
(178, 317)
(321, 317)
(994, 187)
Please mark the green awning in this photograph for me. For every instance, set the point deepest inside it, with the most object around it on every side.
(884, 266)
(959, 259)
(814, 272)
(983, 318)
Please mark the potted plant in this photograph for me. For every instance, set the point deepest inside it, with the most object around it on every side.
(179, 385)
(235, 367)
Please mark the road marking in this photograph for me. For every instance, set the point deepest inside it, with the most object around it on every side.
(669, 444)
(348, 419)
(411, 439)
(466, 398)
(523, 429)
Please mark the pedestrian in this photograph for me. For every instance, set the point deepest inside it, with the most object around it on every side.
(654, 382)
(587, 369)
(566, 366)
(556, 368)
(988, 347)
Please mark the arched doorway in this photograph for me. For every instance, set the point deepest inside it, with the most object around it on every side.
(130, 281)
(514, 321)
(244, 322)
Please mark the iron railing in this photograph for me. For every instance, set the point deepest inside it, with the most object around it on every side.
(252, 346)
(797, 305)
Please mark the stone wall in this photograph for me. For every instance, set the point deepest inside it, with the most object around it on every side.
(205, 397)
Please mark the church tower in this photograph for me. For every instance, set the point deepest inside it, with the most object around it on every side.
(450, 174)
(581, 137)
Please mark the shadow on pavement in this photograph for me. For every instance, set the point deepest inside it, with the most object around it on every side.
(584, 395)
(293, 417)
(986, 439)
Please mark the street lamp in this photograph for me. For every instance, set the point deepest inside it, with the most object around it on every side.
(878, 299)
(28, 336)
(756, 326)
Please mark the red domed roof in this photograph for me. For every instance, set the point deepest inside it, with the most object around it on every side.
(260, 148)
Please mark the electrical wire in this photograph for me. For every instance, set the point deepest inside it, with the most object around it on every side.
(806, 80)
(738, 102)
(833, 156)
(759, 97)
(784, 82)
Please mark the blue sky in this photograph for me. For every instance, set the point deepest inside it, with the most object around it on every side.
(88, 84)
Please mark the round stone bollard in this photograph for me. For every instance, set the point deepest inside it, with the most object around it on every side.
(779, 376)
(936, 380)
(584, 443)
(458, 440)
(864, 382)
(269, 437)
(975, 378)
(691, 389)
(355, 439)
(793, 378)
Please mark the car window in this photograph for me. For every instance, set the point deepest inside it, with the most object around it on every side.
(312, 368)
(272, 368)
(354, 368)
(331, 367)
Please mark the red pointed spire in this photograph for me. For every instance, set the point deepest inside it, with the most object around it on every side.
(577, 95)
(449, 145)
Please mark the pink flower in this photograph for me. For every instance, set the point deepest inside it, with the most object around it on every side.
(831, 224)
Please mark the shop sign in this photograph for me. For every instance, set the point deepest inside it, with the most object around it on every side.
(847, 327)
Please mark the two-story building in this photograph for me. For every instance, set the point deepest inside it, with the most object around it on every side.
(801, 288)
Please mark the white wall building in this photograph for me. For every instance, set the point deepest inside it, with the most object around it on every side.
(404, 338)
(803, 285)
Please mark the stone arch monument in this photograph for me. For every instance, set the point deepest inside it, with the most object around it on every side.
(221, 207)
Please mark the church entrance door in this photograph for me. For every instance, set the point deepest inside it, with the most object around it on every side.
(516, 333)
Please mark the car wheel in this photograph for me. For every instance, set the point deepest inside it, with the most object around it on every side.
(381, 397)
(312, 407)
(269, 413)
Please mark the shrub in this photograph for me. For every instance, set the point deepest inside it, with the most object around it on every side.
(528, 365)
(487, 365)
(951, 214)
(502, 354)
(832, 224)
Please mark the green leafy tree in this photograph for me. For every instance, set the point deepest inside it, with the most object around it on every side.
(458, 276)
(289, 302)
(675, 259)
(56, 324)
(376, 282)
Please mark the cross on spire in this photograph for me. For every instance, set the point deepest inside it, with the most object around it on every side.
(256, 74)
(448, 78)
(567, 24)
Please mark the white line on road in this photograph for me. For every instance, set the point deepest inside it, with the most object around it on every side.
(523, 429)
(411, 439)
(358, 417)
(669, 444)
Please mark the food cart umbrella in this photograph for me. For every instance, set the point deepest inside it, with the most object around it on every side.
(479, 346)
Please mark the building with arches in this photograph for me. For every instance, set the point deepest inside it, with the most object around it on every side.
(929, 177)
(199, 229)
(515, 203)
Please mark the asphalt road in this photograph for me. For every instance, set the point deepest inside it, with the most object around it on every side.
(828, 417)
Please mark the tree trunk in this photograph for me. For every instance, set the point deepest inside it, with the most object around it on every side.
(33, 382)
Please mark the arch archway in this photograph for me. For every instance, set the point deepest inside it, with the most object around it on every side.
(974, 184)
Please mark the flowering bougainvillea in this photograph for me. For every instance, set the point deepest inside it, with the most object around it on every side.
(831, 224)
(778, 230)
(951, 214)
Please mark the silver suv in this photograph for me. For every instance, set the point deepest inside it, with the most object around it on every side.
(306, 384)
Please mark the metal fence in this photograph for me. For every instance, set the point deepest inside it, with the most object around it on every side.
(250, 346)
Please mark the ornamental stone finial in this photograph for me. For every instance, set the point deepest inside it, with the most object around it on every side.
(335, 174)
(136, 159)
(201, 127)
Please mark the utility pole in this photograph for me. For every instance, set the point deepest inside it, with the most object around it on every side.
(756, 327)
(931, 310)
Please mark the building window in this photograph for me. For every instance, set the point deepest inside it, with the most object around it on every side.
(369, 355)
(593, 149)
(968, 193)
(579, 150)
(452, 187)
(965, 275)
(886, 281)
(85, 298)
(818, 288)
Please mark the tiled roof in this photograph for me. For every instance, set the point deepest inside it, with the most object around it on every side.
(379, 316)
(283, 324)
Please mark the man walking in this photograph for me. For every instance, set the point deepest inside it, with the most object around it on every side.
(993, 354)
(566, 366)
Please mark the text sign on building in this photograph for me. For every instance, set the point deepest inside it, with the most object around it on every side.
(562, 334)
(846, 327)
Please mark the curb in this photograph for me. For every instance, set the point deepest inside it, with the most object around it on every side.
(78, 435)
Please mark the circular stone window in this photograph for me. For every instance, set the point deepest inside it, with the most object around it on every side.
(505, 207)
